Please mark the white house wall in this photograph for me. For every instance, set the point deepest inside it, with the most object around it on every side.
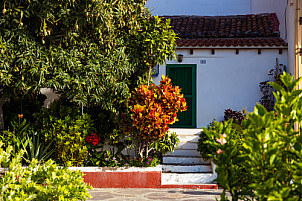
(285, 10)
(199, 7)
(227, 80)
(290, 38)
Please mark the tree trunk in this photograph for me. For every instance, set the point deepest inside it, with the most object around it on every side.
(2, 101)
(149, 75)
(147, 151)
(141, 151)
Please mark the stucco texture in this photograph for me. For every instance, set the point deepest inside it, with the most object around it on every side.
(227, 80)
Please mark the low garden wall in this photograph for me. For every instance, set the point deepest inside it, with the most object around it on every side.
(122, 177)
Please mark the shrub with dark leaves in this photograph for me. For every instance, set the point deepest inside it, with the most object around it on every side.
(237, 116)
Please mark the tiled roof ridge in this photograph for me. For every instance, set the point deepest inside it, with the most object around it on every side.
(275, 22)
(239, 26)
(245, 30)
(236, 42)
(231, 38)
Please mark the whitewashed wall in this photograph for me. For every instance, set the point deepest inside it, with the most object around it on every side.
(286, 15)
(199, 7)
(227, 80)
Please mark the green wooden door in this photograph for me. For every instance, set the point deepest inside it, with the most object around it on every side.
(184, 76)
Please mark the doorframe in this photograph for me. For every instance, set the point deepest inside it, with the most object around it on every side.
(194, 111)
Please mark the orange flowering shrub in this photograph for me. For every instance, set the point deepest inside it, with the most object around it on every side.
(153, 109)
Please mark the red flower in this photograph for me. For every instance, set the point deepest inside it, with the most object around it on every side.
(93, 139)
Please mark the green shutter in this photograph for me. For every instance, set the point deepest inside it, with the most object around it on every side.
(184, 76)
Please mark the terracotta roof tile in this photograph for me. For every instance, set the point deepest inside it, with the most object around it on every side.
(206, 42)
(238, 30)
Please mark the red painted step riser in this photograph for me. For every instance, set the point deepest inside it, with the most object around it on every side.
(149, 179)
(123, 179)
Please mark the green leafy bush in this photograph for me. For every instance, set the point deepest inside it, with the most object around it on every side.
(90, 52)
(59, 109)
(106, 124)
(266, 163)
(104, 121)
(207, 150)
(68, 138)
(39, 182)
(97, 156)
(11, 139)
(151, 161)
(232, 174)
(64, 126)
(23, 137)
(207, 137)
(168, 143)
(34, 148)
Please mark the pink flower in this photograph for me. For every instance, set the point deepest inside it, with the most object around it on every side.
(219, 151)
(148, 163)
(222, 139)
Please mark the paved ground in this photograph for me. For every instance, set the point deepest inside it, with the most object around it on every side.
(145, 194)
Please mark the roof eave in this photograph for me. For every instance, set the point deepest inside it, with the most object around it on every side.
(232, 47)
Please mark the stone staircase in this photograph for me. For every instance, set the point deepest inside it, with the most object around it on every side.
(185, 166)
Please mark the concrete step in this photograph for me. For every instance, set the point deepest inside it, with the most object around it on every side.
(187, 145)
(184, 131)
(184, 160)
(184, 152)
(188, 178)
(187, 168)
(188, 138)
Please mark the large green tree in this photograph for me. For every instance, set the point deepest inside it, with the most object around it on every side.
(92, 52)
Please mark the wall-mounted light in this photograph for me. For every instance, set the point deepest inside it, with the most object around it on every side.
(180, 58)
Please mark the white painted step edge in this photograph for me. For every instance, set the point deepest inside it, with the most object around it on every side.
(189, 178)
(184, 131)
(184, 160)
(188, 138)
(184, 152)
(187, 169)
